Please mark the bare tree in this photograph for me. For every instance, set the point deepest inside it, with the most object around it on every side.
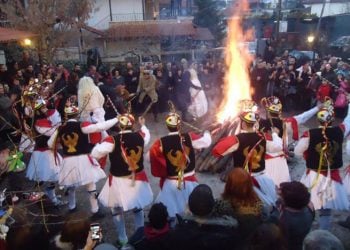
(53, 21)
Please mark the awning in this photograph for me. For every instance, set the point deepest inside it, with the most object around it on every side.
(8, 35)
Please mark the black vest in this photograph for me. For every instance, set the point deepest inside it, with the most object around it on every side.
(334, 150)
(40, 140)
(173, 153)
(265, 125)
(246, 142)
(73, 140)
(133, 144)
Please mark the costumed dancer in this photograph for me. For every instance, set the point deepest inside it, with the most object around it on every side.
(276, 162)
(323, 153)
(173, 161)
(78, 167)
(248, 149)
(127, 188)
(199, 103)
(90, 100)
(43, 166)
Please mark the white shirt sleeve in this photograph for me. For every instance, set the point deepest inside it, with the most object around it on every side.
(55, 119)
(202, 142)
(346, 123)
(147, 134)
(304, 117)
(99, 127)
(276, 145)
(302, 146)
(51, 141)
(102, 149)
(45, 130)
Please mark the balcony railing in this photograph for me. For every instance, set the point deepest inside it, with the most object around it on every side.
(129, 17)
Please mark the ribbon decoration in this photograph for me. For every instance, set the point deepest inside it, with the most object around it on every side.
(15, 161)
(322, 156)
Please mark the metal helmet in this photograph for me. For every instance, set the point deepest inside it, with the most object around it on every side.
(126, 121)
(39, 103)
(326, 113)
(249, 111)
(272, 104)
(71, 110)
(173, 120)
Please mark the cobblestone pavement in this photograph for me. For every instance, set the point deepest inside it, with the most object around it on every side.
(297, 168)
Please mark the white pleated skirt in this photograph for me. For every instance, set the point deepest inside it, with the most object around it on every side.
(43, 167)
(326, 193)
(267, 190)
(277, 170)
(123, 194)
(346, 182)
(80, 170)
(174, 199)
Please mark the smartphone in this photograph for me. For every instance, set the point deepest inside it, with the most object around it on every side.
(95, 230)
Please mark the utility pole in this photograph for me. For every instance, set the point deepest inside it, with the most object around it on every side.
(110, 10)
(279, 11)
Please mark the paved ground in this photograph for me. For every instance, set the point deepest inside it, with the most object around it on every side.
(158, 129)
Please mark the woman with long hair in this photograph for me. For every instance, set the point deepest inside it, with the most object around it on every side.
(240, 201)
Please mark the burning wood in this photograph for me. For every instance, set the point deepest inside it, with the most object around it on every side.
(204, 159)
(236, 88)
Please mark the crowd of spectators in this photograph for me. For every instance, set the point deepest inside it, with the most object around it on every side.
(238, 220)
(300, 83)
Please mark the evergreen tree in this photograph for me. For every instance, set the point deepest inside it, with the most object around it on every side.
(208, 16)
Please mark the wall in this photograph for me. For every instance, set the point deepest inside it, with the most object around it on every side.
(115, 51)
(122, 10)
(330, 9)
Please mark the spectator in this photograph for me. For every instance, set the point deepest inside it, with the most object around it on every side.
(268, 237)
(329, 74)
(117, 78)
(322, 240)
(296, 213)
(202, 229)
(240, 201)
(77, 70)
(131, 81)
(26, 60)
(260, 79)
(29, 73)
(269, 54)
(155, 234)
(73, 234)
(96, 77)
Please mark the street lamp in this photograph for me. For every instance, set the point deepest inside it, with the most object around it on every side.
(27, 42)
(311, 40)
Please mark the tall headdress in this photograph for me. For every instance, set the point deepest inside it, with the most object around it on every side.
(248, 111)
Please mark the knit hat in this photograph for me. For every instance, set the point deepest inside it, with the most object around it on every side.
(295, 194)
(201, 200)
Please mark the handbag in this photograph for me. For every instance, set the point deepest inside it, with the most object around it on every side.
(341, 100)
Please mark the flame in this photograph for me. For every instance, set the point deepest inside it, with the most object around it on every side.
(238, 59)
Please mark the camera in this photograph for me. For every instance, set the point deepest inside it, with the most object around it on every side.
(95, 230)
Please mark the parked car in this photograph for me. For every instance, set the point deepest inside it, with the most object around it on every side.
(341, 47)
